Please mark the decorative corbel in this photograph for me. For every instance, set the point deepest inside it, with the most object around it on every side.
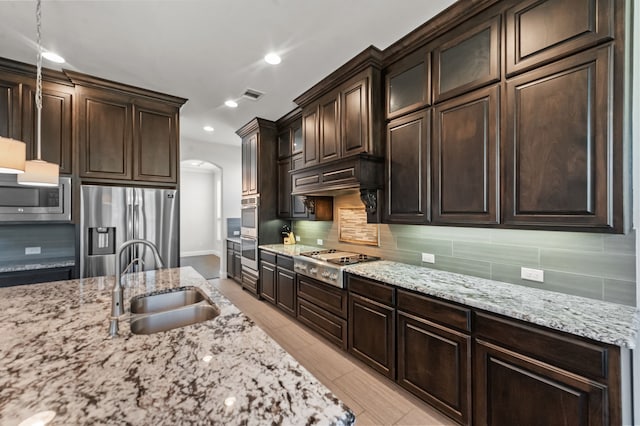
(369, 198)
(310, 204)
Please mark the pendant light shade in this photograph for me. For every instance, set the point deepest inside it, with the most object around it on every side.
(12, 156)
(39, 173)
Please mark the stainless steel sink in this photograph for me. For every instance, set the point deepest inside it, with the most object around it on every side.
(168, 309)
(175, 318)
(166, 300)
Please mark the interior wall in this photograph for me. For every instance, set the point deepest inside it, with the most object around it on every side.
(598, 266)
(199, 234)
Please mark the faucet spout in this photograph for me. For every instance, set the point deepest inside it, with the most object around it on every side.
(117, 309)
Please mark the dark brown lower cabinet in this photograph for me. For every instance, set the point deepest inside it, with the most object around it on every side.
(434, 363)
(268, 281)
(250, 281)
(323, 308)
(512, 389)
(372, 334)
(234, 265)
(237, 267)
(286, 290)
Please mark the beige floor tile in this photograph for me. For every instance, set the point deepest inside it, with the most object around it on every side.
(419, 417)
(364, 419)
(325, 359)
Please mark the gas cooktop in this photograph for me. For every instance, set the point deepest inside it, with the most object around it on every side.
(327, 265)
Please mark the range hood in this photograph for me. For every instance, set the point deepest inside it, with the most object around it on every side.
(363, 173)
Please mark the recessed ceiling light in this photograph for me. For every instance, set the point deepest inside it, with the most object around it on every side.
(231, 103)
(208, 128)
(53, 57)
(272, 58)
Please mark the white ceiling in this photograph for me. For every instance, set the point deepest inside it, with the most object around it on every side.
(211, 50)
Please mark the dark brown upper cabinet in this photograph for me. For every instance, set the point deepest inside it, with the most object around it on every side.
(559, 143)
(466, 58)
(289, 138)
(540, 31)
(284, 144)
(155, 142)
(329, 140)
(465, 158)
(407, 169)
(355, 122)
(250, 164)
(310, 138)
(284, 188)
(105, 134)
(10, 105)
(408, 84)
(56, 133)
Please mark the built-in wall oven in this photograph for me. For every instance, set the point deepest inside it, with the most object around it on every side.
(249, 216)
(249, 231)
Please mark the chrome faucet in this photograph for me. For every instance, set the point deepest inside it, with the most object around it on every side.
(116, 300)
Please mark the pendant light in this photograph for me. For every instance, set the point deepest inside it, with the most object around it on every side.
(13, 156)
(38, 172)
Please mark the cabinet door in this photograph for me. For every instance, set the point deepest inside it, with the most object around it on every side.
(408, 84)
(237, 267)
(56, 124)
(408, 169)
(329, 128)
(467, 58)
(512, 389)
(310, 136)
(268, 281)
(104, 135)
(250, 165)
(10, 109)
(434, 362)
(540, 31)
(296, 137)
(284, 143)
(372, 334)
(465, 156)
(230, 264)
(286, 291)
(558, 144)
(355, 118)
(284, 189)
(155, 143)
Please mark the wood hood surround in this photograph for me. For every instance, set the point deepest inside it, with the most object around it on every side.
(343, 132)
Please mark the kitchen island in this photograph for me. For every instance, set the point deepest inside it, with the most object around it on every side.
(56, 355)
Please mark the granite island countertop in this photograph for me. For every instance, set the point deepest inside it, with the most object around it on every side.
(289, 249)
(56, 355)
(601, 321)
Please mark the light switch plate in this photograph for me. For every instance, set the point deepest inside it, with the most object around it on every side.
(531, 274)
(32, 250)
(298, 238)
(319, 242)
(428, 258)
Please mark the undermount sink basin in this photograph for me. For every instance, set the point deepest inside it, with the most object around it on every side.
(175, 318)
(168, 309)
(166, 300)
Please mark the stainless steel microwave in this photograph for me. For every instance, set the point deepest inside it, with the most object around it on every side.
(20, 203)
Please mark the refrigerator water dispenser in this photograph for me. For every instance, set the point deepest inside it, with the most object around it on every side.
(102, 240)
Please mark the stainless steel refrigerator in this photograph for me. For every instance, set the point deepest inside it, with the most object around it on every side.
(111, 215)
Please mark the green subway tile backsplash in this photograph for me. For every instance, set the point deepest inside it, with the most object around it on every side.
(599, 266)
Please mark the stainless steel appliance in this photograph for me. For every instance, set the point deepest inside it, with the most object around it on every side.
(249, 216)
(249, 252)
(112, 215)
(328, 265)
(19, 203)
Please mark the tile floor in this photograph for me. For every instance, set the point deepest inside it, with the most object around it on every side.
(374, 399)
(207, 265)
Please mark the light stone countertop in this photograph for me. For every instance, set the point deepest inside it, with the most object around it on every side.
(289, 249)
(55, 355)
(601, 321)
(35, 265)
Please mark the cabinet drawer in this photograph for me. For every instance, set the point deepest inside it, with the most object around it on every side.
(331, 298)
(285, 262)
(268, 256)
(250, 281)
(330, 326)
(371, 289)
(585, 358)
(431, 309)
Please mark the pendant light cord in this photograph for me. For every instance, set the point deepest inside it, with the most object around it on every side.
(39, 79)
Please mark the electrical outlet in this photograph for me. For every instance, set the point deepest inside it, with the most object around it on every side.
(319, 242)
(532, 274)
(236, 232)
(32, 250)
(428, 258)
(298, 238)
